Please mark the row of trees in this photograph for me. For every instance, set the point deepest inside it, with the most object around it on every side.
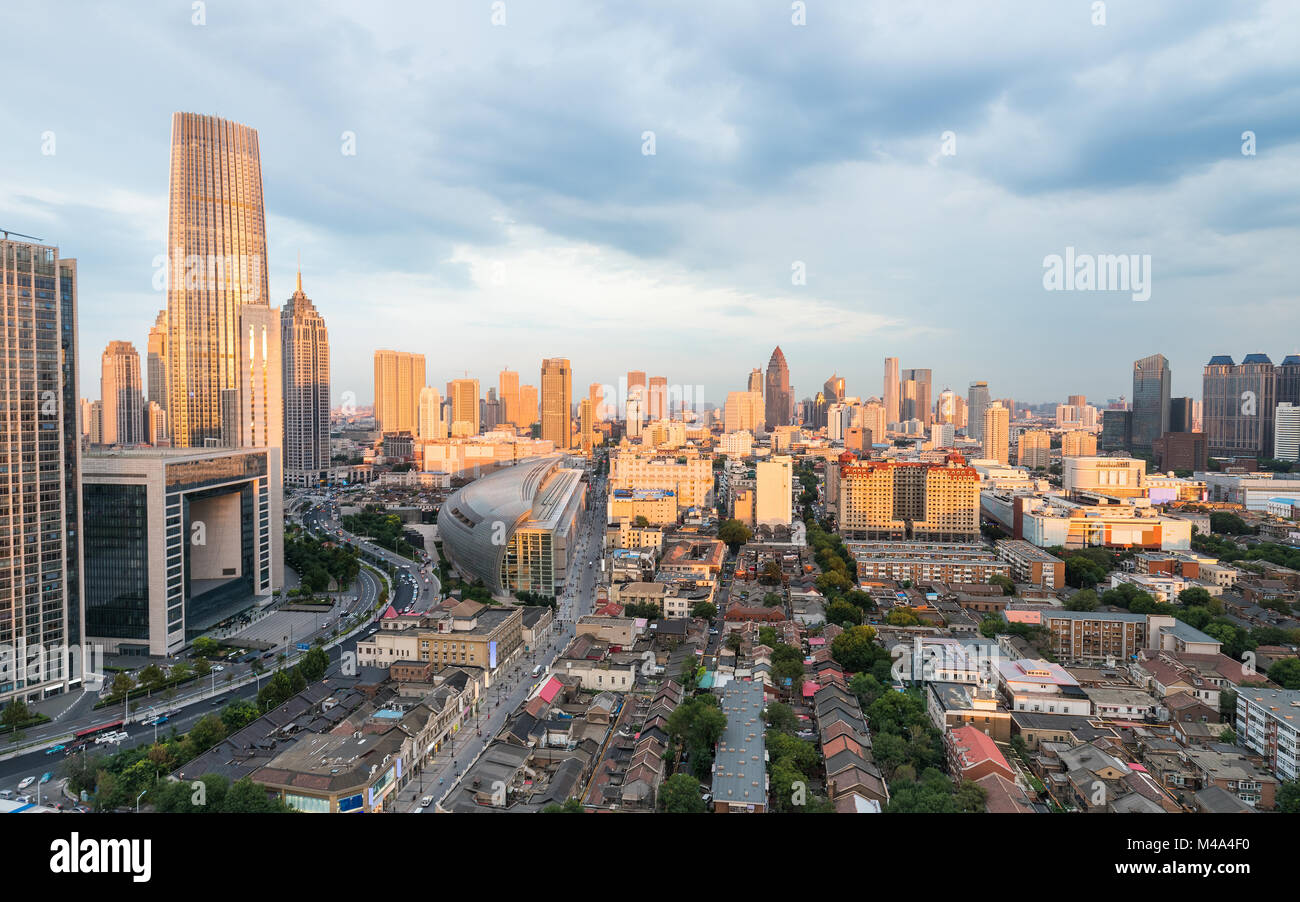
(318, 565)
(383, 529)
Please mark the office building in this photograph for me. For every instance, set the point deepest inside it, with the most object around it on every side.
(156, 361)
(1150, 400)
(465, 409)
(253, 412)
(977, 401)
(1238, 402)
(177, 541)
(775, 477)
(121, 394)
(688, 476)
(155, 425)
(587, 425)
(1182, 451)
(1116, 430)
(305, 363)
(778, 401)
(833, 390)
(996, 433)
(216, 245)
(914, 396)
(40, 485)
(657, 398)
(508, 395)
(557, 402)
(399, 376)
(890, 394)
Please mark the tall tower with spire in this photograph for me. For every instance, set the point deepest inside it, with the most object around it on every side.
(305, 356)
(778, 404)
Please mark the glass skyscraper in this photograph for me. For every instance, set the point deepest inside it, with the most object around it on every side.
(40, 488)
(1150, 400)
(216, 246)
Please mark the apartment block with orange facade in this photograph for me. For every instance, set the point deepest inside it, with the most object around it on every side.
(888, 499)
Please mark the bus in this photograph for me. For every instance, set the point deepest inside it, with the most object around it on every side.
(92, 732)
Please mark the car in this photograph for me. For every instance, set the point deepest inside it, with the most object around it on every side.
(219, 668)
(45, 777)
(426, 801)
(55, 749)
(25, 782)
(24, 800)
(218, 701)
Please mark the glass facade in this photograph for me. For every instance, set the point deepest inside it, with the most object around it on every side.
(117, 561)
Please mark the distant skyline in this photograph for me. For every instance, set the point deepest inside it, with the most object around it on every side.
(499, 208)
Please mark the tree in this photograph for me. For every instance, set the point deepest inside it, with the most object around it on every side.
(780, 718)
(570, 806)
(1083, 600)
(855, 648)
(704, 610)
(734, 642)
(771, 600)
(902, 617)
(1286, 673)
(314, 664)
(1008, 586)
(152, 677)
(204, 647)
(1288, 797)
(15, 714)
(122, 684)
(207, 733)
(238, 714)
(680, 794)
(1082, 572)
(1195, 596)
(735, 534)
(843, 613)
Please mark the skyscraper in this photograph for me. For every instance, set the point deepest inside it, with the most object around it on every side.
(1238, 402)
(587, 424)
(890, 395)
(977, 401)
(305, 363)
(636, 388)
(528, 405)
(120, 391)
(156, 362)
(1150, 400)
(914, 396)
(465, 409)
(41, 605)
(399, 376)
(777, 399)
(508, 395)
(657, 398)
(216, 244)
(431, 426)
(997, 433)
(755, 382)
(557, 401)
(1286, 432)
(833, 390)
(258, 401)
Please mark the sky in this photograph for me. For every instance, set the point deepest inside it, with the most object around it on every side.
(884, 179)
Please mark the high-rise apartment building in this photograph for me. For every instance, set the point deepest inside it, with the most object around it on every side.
(557, 402)
(156, 362)
(774, 505)
(465, 409)
(508, 395)
(41, 607)
(587, 424)
(743, 412)
(430, 426)
(399, 376)
(1237, 405)
(977, 401)
(1034, 449)
(778, 403)
(216, 246)
(529, 411)
(1150, 400)
(891, 499)
(997, 432)
(305, 364)
(891, 391)
(122, 396)
(1079, 444)
(1286, 432)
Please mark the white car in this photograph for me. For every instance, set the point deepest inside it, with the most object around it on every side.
(27, 781)
(426, 801)
(218, 667)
